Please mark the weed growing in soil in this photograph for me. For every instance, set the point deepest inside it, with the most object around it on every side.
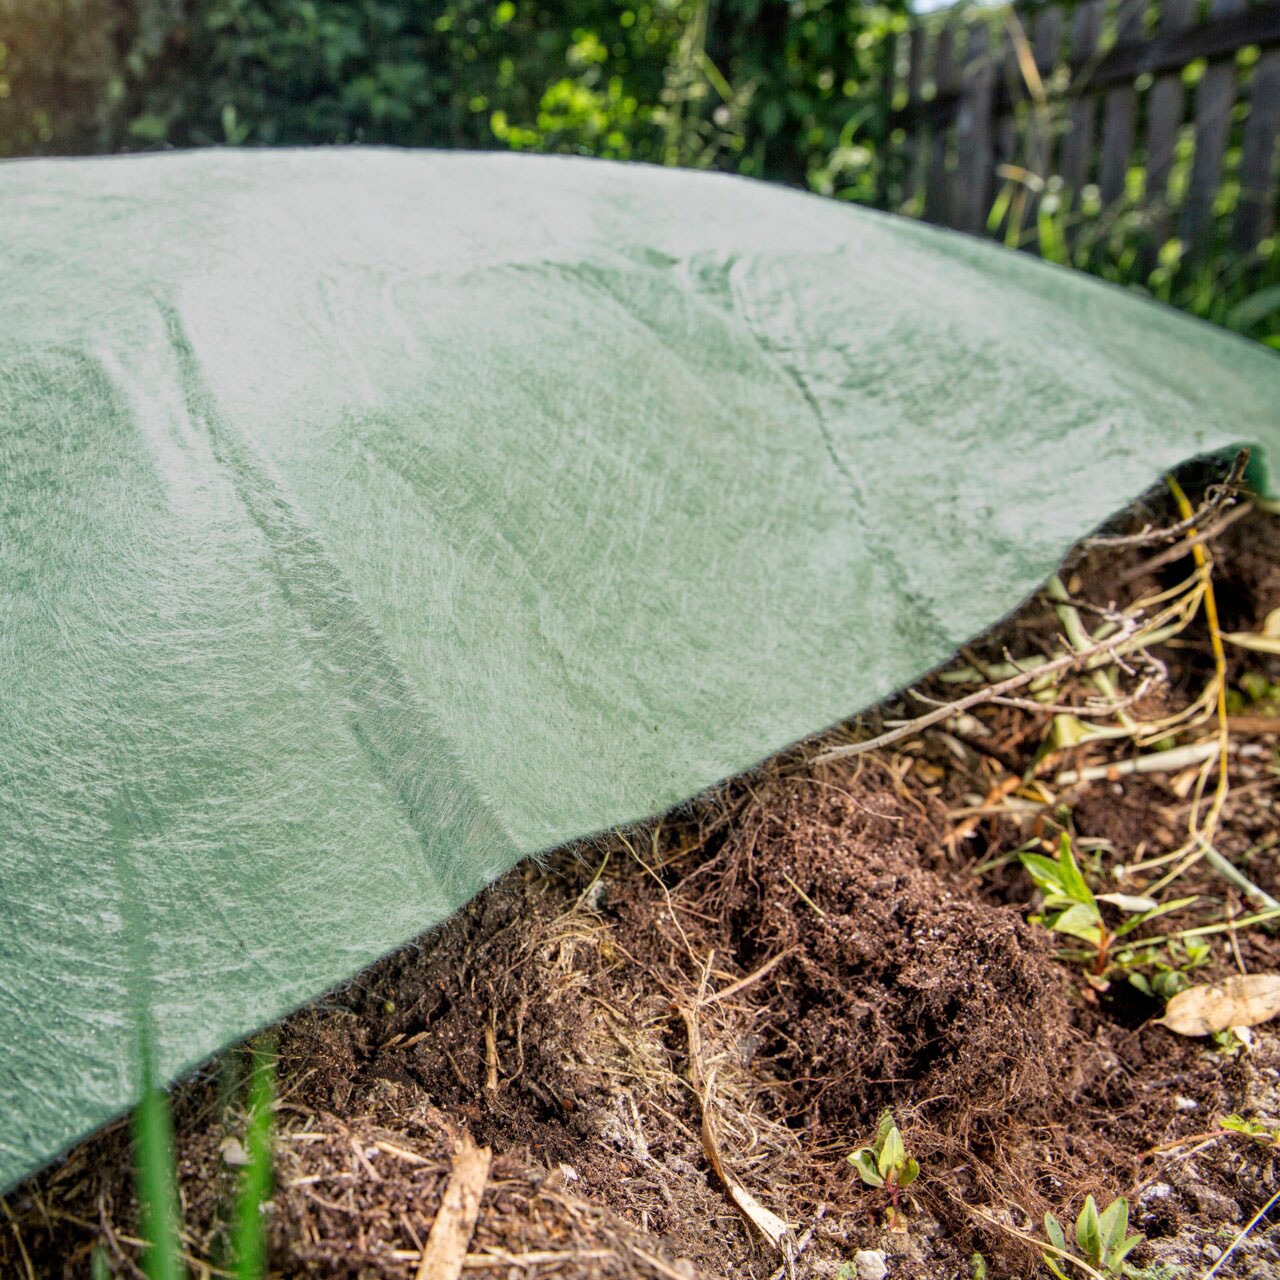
(885, 1165)
(1071, 907)
(157, 1182)
(157, 1179)
(1267, 1134)
(249, 1243)
(1103, 1238)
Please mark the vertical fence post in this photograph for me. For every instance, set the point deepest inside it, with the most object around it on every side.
(1048, 39)
(1255, 214)
(1120, 114)
(1166, 104)
(912, 148)
(937, 201)
(1005, 134)
(1215, 96)
(1077, 147)
(889, 162)
(973, 133)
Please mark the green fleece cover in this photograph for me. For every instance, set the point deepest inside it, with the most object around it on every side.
(372, 520)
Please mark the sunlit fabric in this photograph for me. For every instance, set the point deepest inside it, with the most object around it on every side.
(372, 520)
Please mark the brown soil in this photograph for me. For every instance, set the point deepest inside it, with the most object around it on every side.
(792, 955)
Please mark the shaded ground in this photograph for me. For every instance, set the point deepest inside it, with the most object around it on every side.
(809, 945)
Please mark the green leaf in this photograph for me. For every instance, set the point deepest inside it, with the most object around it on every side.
(1044, 872)
(864, 1160)
(1053, 1229)
(883, 1129)
(1072, 879)
(1257, 306)
(1175, 904)
(1089, 1230)
(1125, 1249)
(1079, 921)
(893, 1154)
(1114, 1222)
(149, 128)
(909, 1173)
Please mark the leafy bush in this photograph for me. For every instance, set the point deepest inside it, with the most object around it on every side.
(758, 86)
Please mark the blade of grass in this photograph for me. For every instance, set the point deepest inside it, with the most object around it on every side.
(156, 1177)
(249, 1240)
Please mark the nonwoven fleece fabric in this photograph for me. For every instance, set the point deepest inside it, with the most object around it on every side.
(371, 520)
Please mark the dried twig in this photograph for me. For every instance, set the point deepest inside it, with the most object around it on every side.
(1067, 662)
(773, 1228)
(1216, 497)
(446, 1249)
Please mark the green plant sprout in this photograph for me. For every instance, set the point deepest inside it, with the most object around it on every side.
(1102, 1239)
(249, 1240)
(157, 1179)
(1169, 974)
(1266, 1133)
(885, 1165)
(157, 1182)
(1071, 907)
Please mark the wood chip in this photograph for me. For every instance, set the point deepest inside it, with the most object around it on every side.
(446, 1251)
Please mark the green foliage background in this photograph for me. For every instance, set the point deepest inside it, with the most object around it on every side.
(757, 86)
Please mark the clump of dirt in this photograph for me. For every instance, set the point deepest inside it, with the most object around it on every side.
(894, 972)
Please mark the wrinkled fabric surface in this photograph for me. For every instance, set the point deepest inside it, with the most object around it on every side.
(370, 520)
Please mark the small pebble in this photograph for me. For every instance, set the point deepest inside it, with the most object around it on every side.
(870, 1264)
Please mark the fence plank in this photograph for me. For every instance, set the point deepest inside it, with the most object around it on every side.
(1255, 215)
(1217, 39)
(1120, 113)
(1077, 147)
(973, 133)
(1039, 152)
(937, 201)
(1005, 140)
(1215, 96)
(1166, 105)
(914, 147)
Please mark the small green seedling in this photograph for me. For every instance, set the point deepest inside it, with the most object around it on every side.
(1170, 972)
(885, 1165)
(1267, 1134)
(1071, 907)
(1102, 1239)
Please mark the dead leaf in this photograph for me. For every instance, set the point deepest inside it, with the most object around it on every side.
(1238, 1001)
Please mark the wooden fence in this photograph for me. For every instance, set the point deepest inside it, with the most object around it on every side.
(992, 115)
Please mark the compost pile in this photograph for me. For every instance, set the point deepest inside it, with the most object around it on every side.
(728, 998)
